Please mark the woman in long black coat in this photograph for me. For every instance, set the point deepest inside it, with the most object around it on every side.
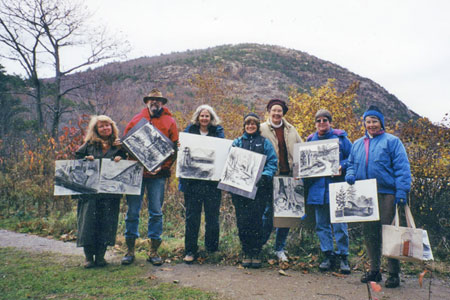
(97, 214)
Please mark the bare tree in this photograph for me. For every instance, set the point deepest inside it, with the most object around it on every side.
(48, 31)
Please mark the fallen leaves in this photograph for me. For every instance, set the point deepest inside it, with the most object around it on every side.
(283, 273)
(375, 287)
(422, 275)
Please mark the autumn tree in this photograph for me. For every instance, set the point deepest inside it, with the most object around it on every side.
(341, 105)
(39, 33)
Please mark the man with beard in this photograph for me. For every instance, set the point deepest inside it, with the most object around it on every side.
(154, 182)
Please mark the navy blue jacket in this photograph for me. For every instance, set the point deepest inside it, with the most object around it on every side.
(271, 165)
(318, 192)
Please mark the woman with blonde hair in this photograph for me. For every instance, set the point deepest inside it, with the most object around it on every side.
(97, 214)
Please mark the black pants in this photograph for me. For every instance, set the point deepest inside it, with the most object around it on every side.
(249, 220)
(196, 196)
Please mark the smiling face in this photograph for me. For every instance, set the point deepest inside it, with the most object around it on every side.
(104, 129)
(204, 118)
(275, 114)
(250, 127)
(373, 125)
(323, 125)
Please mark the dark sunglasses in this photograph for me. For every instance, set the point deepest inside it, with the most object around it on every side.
(322, 121)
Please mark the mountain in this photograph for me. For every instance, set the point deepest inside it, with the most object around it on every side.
(255, 71)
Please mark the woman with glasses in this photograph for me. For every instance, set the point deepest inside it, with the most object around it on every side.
(318, 196)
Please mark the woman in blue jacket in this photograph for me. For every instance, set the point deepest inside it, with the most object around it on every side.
(381, 156)
(318, 196)
(249, 212)
(198, 193)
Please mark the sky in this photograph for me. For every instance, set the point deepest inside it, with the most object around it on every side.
(403, 45)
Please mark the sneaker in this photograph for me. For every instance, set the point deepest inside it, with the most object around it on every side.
(371, 276)
(393, 281)
(189, 258)
(247, 261)
(344, 266)
(328, 262)
(256, 263)
(281, 256)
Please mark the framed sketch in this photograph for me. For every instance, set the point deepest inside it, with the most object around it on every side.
(288, 197)
(148, 145)
(201, 157)
(73, 177)
(122, 177)
(316, 159)
(354, 203)
(242, 170)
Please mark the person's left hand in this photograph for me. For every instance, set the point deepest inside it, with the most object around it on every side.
(155, 171)
(400, 201)
(117, 158)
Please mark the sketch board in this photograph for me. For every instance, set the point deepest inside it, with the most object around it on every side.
(148, 145)
(316, 159)
(122, 177)
(288, 197)
(242, 170)
(201, 157)
(74, 177)
(354, 203)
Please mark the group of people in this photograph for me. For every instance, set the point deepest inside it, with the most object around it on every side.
(377, 155)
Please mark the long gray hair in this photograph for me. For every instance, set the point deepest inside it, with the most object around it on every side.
(215, 120)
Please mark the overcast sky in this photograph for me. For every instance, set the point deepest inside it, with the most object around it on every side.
(404, 45)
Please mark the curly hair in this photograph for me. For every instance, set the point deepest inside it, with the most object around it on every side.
(215, 120)
(92, 135)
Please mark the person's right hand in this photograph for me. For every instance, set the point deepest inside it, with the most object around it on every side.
(350, 179)
(89, 157)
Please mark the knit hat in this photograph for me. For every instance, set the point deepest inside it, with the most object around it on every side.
(155, 94)
(374, 111)
(277, 102)
(252, 117)
(323, 113)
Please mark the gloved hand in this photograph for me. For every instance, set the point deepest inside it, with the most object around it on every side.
(400, 201)
(264, 180)
(350, 179)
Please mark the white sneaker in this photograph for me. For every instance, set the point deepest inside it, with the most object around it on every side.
(281, 256)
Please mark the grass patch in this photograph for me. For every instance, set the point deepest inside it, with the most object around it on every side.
(35, 276)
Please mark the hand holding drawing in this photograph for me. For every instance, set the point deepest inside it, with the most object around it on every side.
(156, 171)
(117, 143)
(350, 179)
(89, 157)
(117, 158)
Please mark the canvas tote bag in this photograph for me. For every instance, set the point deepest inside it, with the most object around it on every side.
(405, 243)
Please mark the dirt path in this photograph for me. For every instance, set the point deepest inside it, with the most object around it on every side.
(238, 283)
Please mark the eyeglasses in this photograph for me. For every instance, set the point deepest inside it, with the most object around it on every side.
(322, 121)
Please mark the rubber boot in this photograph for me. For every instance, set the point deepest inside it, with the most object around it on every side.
(100, 256)
(153, 256)
(129, 256)
(89, 254)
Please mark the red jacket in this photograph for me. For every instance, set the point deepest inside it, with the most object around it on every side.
(166, 124)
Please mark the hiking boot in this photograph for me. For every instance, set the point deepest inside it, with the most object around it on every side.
(247, 261)
(256, 262)
(371, 276)
(153, 256)
(328, 262)
(281, 255)
(189, 258)
(344, 266)
(100, 257)
(393, 281)
(129, 256)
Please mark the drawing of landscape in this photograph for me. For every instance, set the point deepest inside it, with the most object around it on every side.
(196, 162)
(319, 158)
(354, 203)
(148, 145)
(242, 169)
(123, 177)
(73, 177)
(288, 197)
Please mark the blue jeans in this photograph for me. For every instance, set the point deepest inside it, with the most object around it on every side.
(325, 231)
(155, 198)
(281, 233)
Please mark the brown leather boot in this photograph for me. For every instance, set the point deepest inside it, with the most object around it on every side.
(129, 256)
(153, 256)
